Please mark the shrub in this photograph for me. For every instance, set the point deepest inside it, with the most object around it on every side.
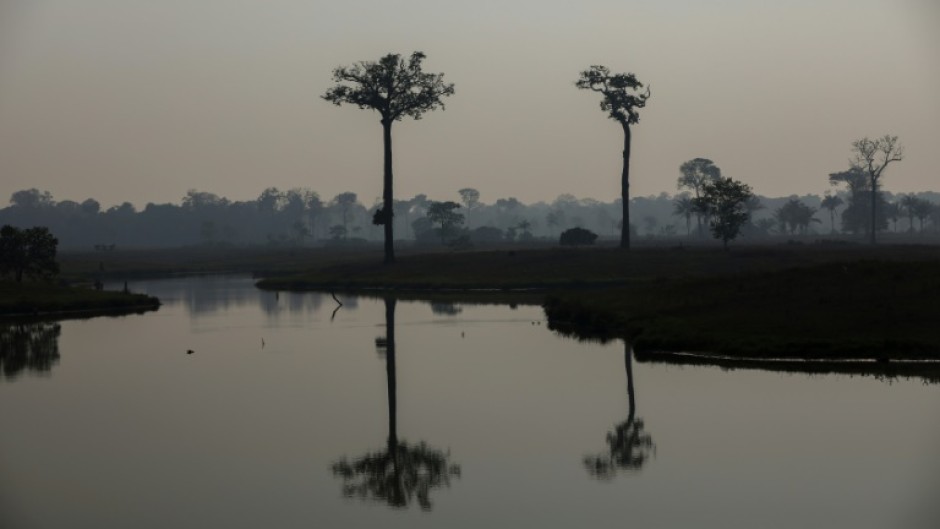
(577, 237)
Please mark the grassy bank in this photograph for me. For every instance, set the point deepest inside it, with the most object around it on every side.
(798, 302)
(861, 309)
(28, 299)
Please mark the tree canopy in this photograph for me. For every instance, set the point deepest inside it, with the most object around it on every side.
(30, 252)
(395, 88)
(726, 202)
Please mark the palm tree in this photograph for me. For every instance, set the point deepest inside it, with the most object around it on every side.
(831, 202)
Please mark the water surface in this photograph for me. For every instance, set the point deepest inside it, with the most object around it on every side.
(283, 416)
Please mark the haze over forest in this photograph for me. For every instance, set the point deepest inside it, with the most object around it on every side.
(142, 101)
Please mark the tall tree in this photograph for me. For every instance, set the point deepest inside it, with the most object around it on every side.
(620, 98)
(873, 156)
(694, 174)
(394, 87)
(470, 198)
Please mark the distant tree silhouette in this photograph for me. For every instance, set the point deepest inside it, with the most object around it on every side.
(908, 204)
(683, 207)
(30, 252)
(831, 202)
(344, 201)
(694, 174)
(873, 156)
(471, 199)
(621, 99)
(795, 216)
(444, 215)
(725, 200)
(395, 88)
(31, 198)
(401, 472)
(922, 210)
(629, 447)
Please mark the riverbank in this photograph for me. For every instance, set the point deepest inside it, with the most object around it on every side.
(42, 299)
(762, 302)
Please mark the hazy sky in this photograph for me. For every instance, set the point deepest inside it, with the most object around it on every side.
(140, 100)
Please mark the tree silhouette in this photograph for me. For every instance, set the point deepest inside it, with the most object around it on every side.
(831, 202)
(395, 88)
(795, 215)
(30, 252)
(401, 473)
(620, 99)
(470, 198)
(445, 215)
(694, 174)
(629, 447)
(873, 156)
(726, 201)
(683, 207)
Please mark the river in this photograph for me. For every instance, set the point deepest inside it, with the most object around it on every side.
(234, 407)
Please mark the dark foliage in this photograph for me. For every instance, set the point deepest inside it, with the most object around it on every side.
(30, 252)
(577, 237)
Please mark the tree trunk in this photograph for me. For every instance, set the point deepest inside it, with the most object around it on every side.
(387, 202)
(832, 221)
(874, 201)
(390, 372)
(625, 189)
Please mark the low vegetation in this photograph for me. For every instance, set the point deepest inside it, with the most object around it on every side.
(21, 299)
(799, 302)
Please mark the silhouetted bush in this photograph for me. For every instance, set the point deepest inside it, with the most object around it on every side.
(577, 237)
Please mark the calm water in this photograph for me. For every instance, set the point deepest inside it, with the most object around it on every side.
(283, 417)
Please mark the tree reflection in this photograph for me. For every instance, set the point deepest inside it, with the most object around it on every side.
(401, 473)
(629, 447)
(28, 346)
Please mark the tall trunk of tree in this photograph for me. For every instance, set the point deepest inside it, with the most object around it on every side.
(387, 202)
(625, 189)
(390, 374)
(832, 221)
(874, 201)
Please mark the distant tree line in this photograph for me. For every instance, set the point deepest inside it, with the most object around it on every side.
(299, 217)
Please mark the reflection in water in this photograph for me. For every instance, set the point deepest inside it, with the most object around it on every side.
(887, 371)
(400, 473)
(628, 446)
(211, 294)
(442, 308)
(32, 346)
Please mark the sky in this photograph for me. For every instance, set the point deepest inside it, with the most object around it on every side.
(140, 101)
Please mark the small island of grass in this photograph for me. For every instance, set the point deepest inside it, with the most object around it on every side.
(41, 298)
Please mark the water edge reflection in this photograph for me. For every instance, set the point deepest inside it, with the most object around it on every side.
(628, 446)
(401, 472)
(28, 346)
